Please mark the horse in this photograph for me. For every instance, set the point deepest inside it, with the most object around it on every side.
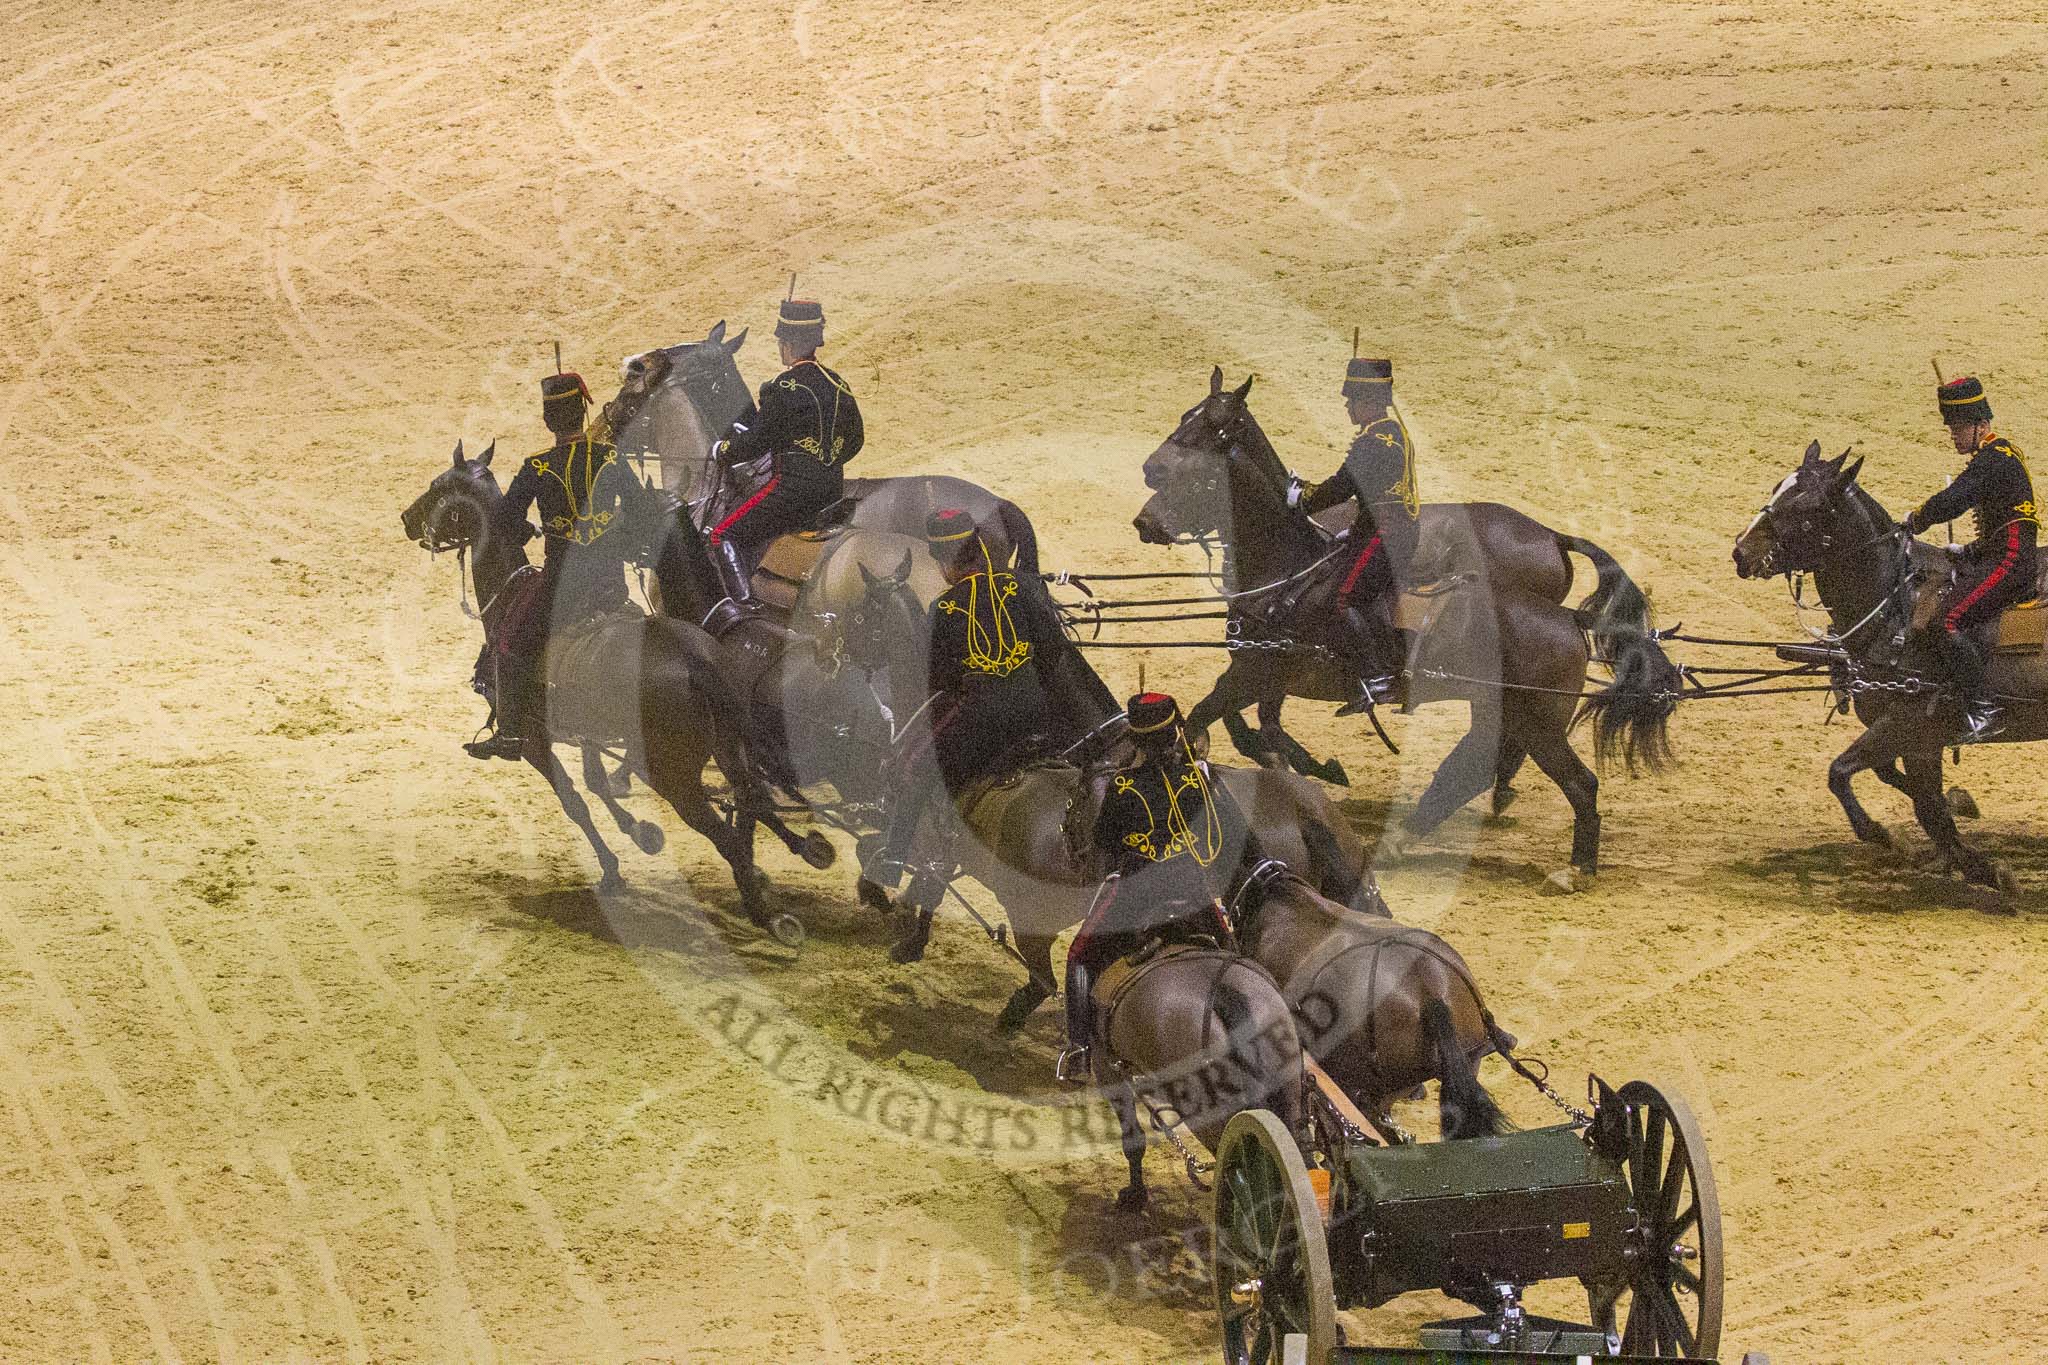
(1383, 1005)
(681, 400)
(1204, 1030)
(1503, 545)
(653, 682)
(1819, 520)
(1518, 658)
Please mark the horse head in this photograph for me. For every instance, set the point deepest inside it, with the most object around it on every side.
(1801, 524)
(684, 398)
(455, 511)
(887, 621)
(1190, 473)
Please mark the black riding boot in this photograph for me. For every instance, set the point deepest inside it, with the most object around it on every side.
(737, 576)
(1376, 685)
(512, 703)
(1072, 1066)
(1961, 659)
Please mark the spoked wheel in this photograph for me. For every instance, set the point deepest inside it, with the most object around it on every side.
(1670, 1304)
(1272, 1260)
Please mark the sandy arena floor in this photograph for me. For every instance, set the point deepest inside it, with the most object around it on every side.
(314, 1043)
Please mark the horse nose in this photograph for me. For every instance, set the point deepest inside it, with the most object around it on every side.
(1148, 530)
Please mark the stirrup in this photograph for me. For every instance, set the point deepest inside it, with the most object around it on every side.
(498, 745)
(1071, 1067)
(1374, 691)
(1981, 721)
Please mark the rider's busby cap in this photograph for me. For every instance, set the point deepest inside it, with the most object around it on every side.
(948, 527)
(1365, 378)
(1962, 400)
(563, 399)
(1149, 712)
(801, 320)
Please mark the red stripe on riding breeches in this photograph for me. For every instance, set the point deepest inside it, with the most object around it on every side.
(1953, 622)
(1372, 547)
(718, 531)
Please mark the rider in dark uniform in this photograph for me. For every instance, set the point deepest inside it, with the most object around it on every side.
(1379, 471)
(2000, 566)
(583, 491)
(996, 647)
(1164, 831)
(807, 420)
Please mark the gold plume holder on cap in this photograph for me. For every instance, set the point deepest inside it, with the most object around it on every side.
(1935, 361)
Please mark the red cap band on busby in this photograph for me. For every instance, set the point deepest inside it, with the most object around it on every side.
(1369, 378)
(1962, 401)
(948, 526)
(563, 400)
(1150, 712)
(801, 322)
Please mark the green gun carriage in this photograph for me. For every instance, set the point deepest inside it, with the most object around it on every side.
(1621, 1199)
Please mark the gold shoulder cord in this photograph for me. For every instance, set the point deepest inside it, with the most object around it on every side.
(1410, 493)
(583, 525)
(993, 649)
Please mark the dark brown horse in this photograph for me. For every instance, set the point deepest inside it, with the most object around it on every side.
(1384, 1006)
(650, 685)
(1517, 657)
(1496, 543)
(1194, 1035)
(1869, 575)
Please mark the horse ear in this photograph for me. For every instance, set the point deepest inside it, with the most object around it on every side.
(1215, 381)
(717, 332)
(902, 574)
(1812, 454)
(485, 458)
(733, 347)
(1242, 389)
(865, 576)
(1848, 476)
(458, 453)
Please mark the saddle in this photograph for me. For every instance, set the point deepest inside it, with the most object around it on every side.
(790, 560)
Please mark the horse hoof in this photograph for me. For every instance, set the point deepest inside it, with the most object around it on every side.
(1334, 774)
(1017, 1012)
(1503, 797)
(1132, 1199)
(873, 896)
(1566, 881)
(1397, 845)
(1962, 805)
(611, 883)
(648, 838)
(909, 948)
(788, 930)
(818, 851)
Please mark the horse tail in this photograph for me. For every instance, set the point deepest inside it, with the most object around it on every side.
(1250, 1028)
(1464, 1108)
(1616, 606)
(1631, 715)
(1020, 533)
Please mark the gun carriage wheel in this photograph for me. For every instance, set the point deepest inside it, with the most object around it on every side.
(1272, 1261)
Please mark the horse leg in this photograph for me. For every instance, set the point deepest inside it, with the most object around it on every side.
(1132, 1197)
(1036, 950)
(1512, 756)
(1870, 750)
(922, 897)
(1275, 738)
(1248, 742)
(1465, 772)
(1561, 763)
(541, 755)
(601, 782)
(645, 834)
(1225, 699)
(677, 776)
(1923, 776)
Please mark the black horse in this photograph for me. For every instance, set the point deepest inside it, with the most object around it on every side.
(1517, 657)
(1870, 576)
(651, 685)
